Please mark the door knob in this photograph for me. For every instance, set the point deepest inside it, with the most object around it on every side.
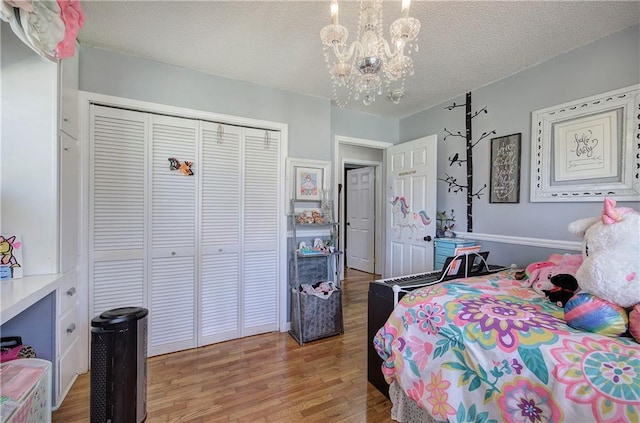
(348, 224)
(427, 238)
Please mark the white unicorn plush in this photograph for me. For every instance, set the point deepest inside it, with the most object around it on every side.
(610, 272)
(611, 254)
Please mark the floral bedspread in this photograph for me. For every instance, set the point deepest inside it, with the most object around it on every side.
(487, 349)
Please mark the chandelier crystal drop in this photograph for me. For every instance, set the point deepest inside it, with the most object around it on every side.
(370, 63)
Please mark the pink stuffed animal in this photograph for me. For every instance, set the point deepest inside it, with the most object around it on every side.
(540, 277)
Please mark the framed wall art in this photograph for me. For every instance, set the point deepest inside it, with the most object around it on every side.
(505, 169)
(309, 183)
(307, 178)
(584, 150)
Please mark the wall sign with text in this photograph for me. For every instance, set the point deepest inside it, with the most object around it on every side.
(505, 169)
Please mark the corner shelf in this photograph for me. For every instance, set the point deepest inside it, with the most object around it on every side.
(313, 317)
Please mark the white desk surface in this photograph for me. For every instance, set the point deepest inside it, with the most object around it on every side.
(19, 294)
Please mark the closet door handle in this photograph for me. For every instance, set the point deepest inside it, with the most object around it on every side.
(71, 328)
(71, 291)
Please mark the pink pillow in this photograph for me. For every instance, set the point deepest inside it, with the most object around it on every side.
(588, 312)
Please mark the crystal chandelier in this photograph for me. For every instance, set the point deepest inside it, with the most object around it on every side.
(370, 61)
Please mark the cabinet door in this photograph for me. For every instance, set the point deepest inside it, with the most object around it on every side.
(173, 235)
(262, 177)
(220, 233)
(68, 113)
(69, 163)
(117, 208)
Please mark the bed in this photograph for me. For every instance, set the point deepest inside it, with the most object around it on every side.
(488, 349)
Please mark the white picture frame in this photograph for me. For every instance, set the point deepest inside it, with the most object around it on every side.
(296, 167)
(584, 150)
(309, 183)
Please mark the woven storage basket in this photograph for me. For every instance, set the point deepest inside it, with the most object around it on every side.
(314, 317)
(311, 270)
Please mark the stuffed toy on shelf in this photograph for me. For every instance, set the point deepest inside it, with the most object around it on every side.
(609, 277)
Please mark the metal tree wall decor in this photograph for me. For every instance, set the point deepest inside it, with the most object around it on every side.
(454, 185)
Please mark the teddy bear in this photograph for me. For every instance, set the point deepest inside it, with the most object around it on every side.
(540, 273)
(609, 276)
(317, 217)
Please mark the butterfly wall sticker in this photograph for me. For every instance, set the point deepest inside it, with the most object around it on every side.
(184, 167)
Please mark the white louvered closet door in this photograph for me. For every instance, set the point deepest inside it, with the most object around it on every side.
(262, 178)
(200, 252)
(220, 233)
(117, 209)
(173, 236)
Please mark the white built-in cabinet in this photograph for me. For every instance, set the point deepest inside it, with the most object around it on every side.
(200, 251)
(68, 324)
(39, 201)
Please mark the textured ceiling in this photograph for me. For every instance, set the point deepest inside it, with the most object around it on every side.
(463, 44)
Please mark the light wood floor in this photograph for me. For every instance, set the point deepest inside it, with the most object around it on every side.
(263, 378)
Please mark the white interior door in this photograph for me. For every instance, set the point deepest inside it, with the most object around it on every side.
(360, 219)
(411, 206)
(261, 176)
(117, 206)
(173, 235)
(220, 238)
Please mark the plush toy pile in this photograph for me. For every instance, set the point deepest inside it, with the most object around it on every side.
(555, 277)
(609, 276)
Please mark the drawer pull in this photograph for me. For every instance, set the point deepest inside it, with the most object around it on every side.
(71, 291)
(71, 328)
(173, 253)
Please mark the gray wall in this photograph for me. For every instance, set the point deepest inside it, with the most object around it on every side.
(351, 123)
(312, 121)
(610, 63)
(607, 64)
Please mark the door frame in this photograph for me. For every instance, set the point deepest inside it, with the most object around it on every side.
(338, 169)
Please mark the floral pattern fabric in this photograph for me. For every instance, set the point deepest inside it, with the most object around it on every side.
(488, 349)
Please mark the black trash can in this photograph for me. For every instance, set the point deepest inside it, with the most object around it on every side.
(119, 366)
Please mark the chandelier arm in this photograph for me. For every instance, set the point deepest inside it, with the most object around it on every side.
(345, 55)
(399, 50)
